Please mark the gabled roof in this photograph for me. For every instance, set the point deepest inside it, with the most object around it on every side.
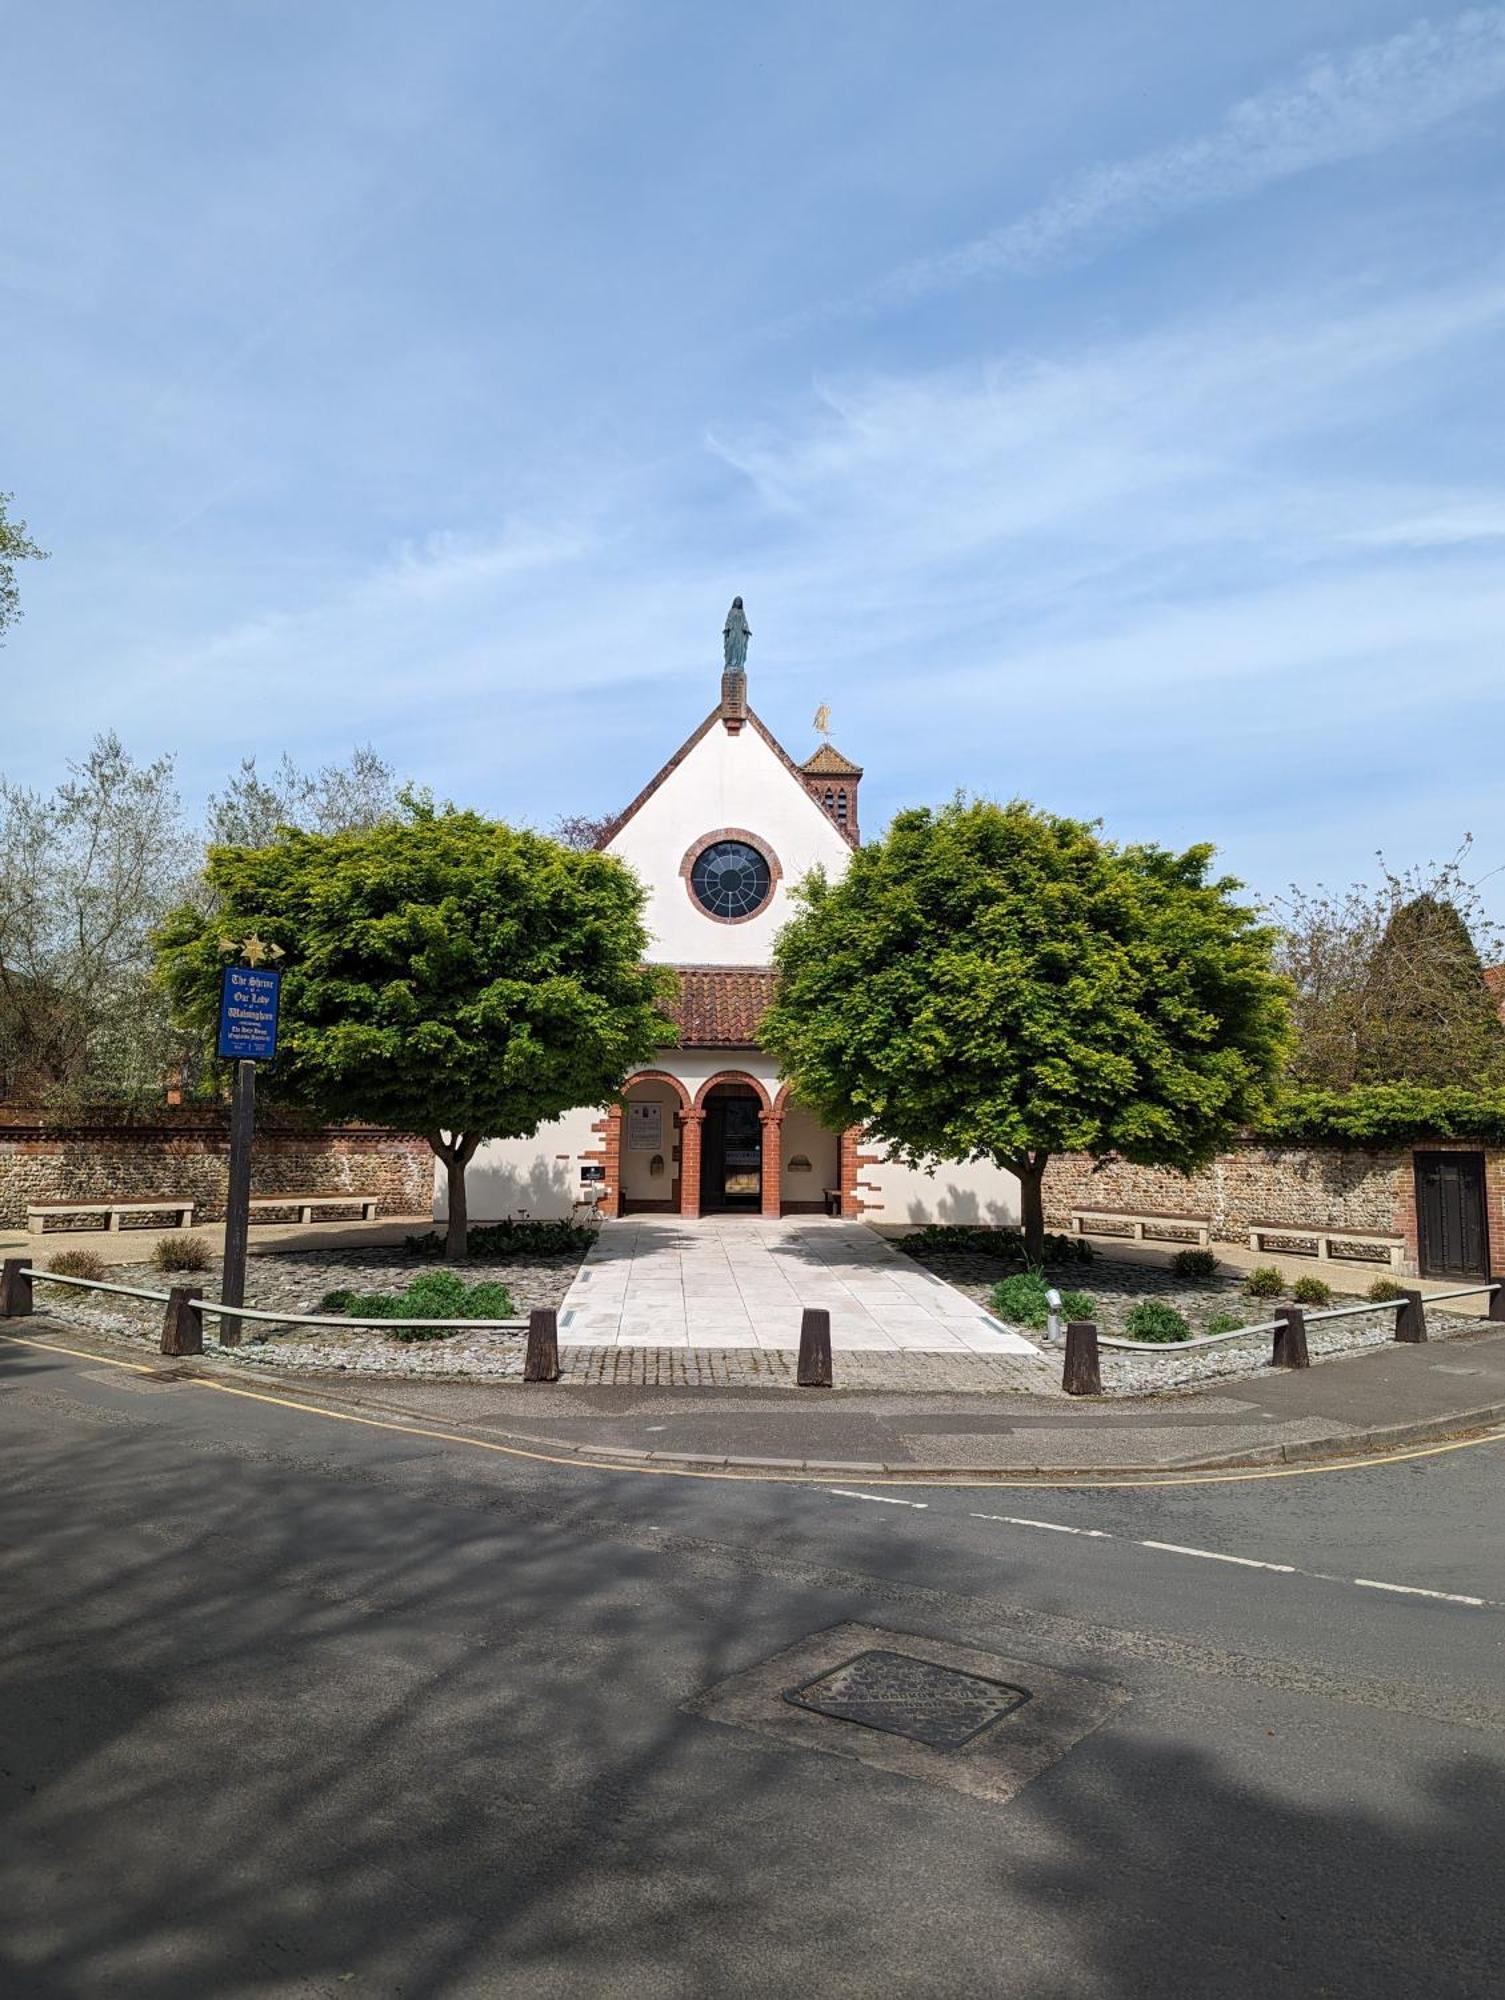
(720, 1006)
(684, 750)
(828, 762)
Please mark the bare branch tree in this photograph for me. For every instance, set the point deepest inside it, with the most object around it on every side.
(1388, 980)
(85, 874)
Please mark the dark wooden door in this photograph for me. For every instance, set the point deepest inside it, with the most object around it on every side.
(1451, 1225)
(731, 1153)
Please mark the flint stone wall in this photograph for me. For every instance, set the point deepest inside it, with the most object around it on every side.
(1311, 1187)
(185, 1156)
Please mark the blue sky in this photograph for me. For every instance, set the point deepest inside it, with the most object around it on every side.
(1095, 402)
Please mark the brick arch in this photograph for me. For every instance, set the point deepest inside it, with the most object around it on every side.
(658, 1076)
(760, 1090)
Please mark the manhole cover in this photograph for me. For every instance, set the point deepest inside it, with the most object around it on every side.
(920, 1699)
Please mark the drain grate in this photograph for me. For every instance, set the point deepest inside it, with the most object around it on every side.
(921, 1699)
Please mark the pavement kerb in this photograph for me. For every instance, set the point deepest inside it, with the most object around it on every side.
(299, 1389)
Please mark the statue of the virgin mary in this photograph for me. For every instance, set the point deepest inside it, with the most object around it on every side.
(734, 637)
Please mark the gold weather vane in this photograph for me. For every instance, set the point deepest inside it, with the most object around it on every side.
(823, 721)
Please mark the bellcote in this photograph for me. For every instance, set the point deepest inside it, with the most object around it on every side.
(832, 781)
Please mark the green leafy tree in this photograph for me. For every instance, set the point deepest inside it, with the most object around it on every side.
(1388, 982)
(15, 546)
(994, 983)
(443, 974)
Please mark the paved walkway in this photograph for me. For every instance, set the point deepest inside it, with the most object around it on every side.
(739, 1281)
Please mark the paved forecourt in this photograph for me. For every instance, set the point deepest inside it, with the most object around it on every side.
(741, 1281)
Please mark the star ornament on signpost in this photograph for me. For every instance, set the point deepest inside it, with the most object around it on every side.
(254, 949)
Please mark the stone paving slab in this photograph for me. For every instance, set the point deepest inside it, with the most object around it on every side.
(742, 1282)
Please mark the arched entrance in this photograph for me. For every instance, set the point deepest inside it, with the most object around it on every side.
(739, 1163)
(651, 1151)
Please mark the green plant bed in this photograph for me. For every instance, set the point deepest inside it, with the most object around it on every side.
(1264, 1282)
(1312, 1292)
(1021, 1301)
(1194, 1267)
(436, 1295)
(501, 1242)
(1225, 1322)
(989, 1241)
(1154, 1320)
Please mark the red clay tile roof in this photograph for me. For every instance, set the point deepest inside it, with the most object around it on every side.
(720, 1006)
(828, 762)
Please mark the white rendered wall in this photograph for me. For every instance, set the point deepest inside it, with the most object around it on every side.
(975, 1192)
(726, 780)
(802, 1136)
(540, 1175)
(639, 1182)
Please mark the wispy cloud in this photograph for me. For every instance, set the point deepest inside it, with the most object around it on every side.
(1338, 108)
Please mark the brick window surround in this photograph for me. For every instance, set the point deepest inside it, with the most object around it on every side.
(754, 840)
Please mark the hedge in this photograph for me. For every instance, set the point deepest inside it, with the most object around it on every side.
(1384, 1114)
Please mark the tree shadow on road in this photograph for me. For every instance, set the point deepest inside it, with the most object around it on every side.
(289, 1711)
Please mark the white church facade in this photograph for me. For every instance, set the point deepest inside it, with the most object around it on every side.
(719, 837)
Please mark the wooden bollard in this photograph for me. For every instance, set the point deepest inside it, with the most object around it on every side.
(1411, 1318)
(183, 1323)
(814, 1371)
(15, 1288)
(541, 1363)
(1289, 1349)
(1082, 1374)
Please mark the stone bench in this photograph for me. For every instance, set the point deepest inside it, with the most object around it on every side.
(307, 1204)
(37, 1213)
(1137, 1226)
(1390, 1250)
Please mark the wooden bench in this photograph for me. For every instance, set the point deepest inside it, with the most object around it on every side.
(1391, 1249)
(37, 1213)
(833, 1200)
(306, 1204)
(1138, 1227)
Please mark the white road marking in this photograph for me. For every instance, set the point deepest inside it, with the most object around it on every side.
(1055, 1527)
(879, 1499)
(1414, 1590)
(1216, 1555)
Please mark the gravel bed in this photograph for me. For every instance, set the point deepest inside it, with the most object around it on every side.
(297, 1283)
(1116, 1288)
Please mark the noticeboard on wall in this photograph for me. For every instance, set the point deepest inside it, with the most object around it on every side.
(645, 1128)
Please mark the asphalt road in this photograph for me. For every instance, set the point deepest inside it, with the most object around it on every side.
(292, 1705)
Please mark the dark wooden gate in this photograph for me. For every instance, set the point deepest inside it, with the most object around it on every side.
(1452, 1230)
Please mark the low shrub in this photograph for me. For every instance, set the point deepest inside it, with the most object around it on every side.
(1225, 1322)
(1194, 1267)
(1153, 1319)
(1021, 1301)
(78, 1264)
(1264, 1282)
(502, 1242)
(988, 1241)
(1311, 1291)
(181, 1253)
(1385, 1289)
(434, 1295)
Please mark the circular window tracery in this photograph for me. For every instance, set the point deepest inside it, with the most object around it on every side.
(731, 879)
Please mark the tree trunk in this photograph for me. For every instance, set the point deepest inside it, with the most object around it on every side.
(1031, 1172)
(456, 1153)
(456, 1240)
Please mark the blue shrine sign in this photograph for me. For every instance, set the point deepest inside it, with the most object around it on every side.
(248, 1000)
